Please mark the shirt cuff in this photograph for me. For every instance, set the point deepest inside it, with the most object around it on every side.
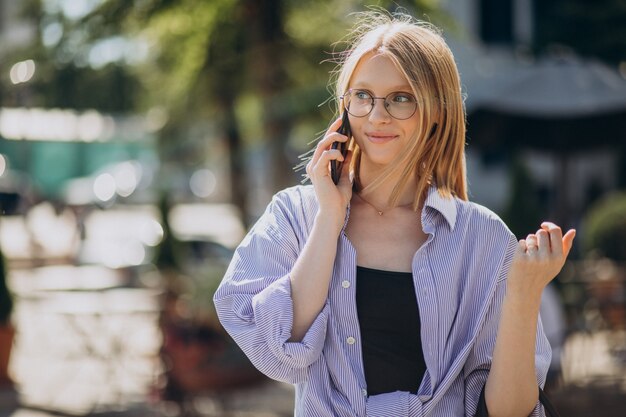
(273, 314)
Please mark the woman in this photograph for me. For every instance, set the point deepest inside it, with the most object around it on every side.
(389, 294)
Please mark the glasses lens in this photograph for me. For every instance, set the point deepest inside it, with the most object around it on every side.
(359, 103)
(401, 105)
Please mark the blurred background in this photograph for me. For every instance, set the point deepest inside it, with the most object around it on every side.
(139, 140)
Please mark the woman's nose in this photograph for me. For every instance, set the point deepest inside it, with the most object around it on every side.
(379, 113)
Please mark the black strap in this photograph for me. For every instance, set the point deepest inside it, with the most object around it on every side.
(547, 405)
(481, 411)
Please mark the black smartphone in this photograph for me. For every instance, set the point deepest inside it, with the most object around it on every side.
(336, 166)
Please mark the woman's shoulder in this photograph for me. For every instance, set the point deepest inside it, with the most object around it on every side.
(480, 216)
(297, 196)
(476, 209)
(497, 242)
(290, 211)
(296, 192)
(298, 204)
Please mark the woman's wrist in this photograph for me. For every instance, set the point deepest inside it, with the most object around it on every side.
(329, 220)
(524, 298)
(525, 284)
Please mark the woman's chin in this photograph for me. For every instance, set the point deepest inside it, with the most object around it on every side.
(378, 162)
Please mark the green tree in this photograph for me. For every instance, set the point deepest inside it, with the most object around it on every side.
(245, 70)
(605, 225)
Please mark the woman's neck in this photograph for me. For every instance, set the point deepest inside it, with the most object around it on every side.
(380, 195)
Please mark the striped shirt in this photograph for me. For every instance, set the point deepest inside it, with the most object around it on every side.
(460, 280)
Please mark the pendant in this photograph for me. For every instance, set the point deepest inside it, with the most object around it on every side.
(380, 213)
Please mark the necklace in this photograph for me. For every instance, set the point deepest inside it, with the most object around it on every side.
(380, 212)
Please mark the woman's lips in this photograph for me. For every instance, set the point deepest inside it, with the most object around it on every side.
(380, 137)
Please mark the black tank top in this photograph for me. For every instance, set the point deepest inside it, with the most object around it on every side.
(390, 331)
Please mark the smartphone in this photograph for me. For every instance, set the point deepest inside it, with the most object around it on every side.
(336, 166)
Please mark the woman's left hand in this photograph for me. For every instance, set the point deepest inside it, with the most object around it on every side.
(539, 258)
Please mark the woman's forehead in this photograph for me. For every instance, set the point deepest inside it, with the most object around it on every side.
(377, 71)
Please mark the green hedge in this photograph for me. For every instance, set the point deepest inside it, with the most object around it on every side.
(605, 227)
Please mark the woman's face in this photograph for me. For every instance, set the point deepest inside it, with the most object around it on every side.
(380, 136)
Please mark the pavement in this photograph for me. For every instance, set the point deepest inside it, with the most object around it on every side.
(93, 350)
(87, 344)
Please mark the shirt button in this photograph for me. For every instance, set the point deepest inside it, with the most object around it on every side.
(350, 340)
(364, 392)
(345, 284)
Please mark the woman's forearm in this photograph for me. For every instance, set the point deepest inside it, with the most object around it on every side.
(511, 388)
(311, 275)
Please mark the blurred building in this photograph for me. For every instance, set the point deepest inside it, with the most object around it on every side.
(492, 38)
(49, 146)
(53, 146)
(495, 38)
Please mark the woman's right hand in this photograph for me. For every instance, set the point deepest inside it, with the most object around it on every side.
(333, 199)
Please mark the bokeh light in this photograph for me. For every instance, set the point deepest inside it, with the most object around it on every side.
(203, 183)
(22, 72)
(3, 165)
(126, 178)
(151, 232)
(104, 187)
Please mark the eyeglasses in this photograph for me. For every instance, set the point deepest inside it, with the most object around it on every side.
(399, 105)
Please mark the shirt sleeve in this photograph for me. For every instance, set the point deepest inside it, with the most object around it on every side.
(254, 303)
(478, 364)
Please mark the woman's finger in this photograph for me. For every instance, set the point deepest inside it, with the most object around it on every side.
(531, 243)
(322, 168)
(324, 144)
(521, 247)
(543, 242)
(556, 237)
(568, 241)
(334, 125)
(344, 179)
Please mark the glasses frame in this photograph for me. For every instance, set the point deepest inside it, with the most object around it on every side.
(347, 93)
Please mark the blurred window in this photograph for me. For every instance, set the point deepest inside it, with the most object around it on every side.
(496, 21)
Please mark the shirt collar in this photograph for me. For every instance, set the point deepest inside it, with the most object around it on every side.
(445, 206)
(434, 200)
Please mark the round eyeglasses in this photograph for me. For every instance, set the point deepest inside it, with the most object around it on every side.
(399, 105)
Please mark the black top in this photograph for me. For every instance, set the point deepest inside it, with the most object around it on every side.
(390, 331)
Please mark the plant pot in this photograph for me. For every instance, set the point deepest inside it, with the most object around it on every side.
(7, 334)
(200, 358)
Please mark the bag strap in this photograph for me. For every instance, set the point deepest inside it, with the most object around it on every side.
(481, 411)
(547, 405)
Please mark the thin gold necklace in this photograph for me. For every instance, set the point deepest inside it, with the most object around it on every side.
(380, 212)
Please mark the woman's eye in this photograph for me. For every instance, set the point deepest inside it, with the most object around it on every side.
(402, 98)
(361, 95)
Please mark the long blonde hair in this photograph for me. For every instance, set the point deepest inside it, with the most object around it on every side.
(437, 152)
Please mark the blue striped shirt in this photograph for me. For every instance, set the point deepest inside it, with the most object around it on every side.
(460, 280)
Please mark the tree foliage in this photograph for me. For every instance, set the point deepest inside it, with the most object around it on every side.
(244, 72)
(605, 227)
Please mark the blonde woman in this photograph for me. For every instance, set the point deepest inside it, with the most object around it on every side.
(389, 293)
